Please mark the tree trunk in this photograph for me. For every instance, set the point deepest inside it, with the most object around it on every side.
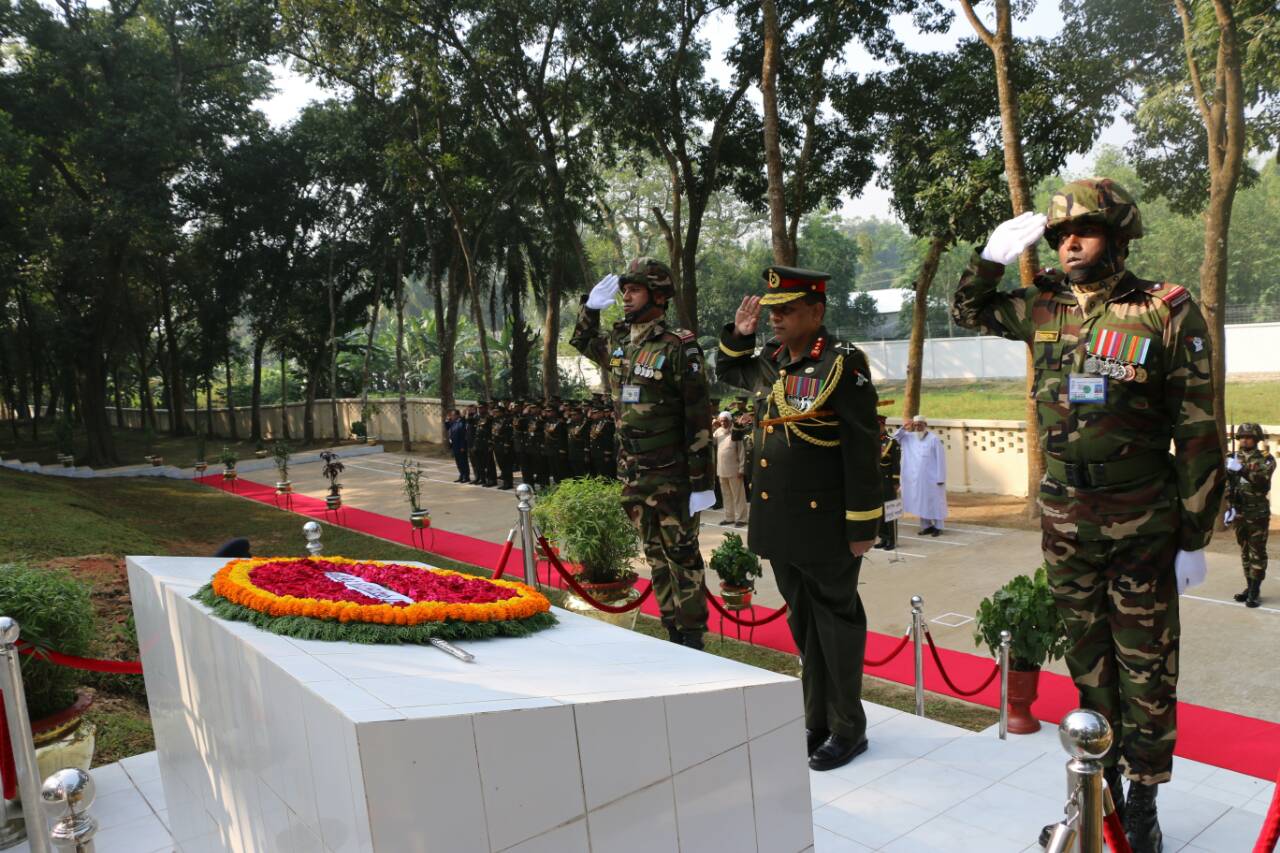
(406, 439)
(232, 427)
(255, 400)
(284, 396)
(209, 431)
(93, 409)
(477, 314)
(309, 407)
(119, 398)
(447, 332)
(919, 316)
(333, 350)
(520, 343)
(177, 396)
(551, 331)
(368, 343)
(783, 251)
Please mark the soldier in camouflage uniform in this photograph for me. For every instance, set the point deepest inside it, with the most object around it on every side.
(604, 452)
(818, 504)
(579, 443)
(1249, 472)
(1122, 370)
(663, 413)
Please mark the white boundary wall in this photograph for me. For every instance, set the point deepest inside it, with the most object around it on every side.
(1251, 348)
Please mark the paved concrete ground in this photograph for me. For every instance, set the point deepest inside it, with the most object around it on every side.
(1228, 659)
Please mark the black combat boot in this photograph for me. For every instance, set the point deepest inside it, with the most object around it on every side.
(1140, 822)
(1254, 592)
(1243, 595)
(674, 635)
(692, 639)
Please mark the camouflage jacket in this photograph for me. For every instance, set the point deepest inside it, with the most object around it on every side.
(662, 408)
(1108, 471)
(1250, 487)
(890, 466)
(815, 482)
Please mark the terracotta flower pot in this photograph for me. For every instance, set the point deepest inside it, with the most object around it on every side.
(736, 597)
(1022, 692)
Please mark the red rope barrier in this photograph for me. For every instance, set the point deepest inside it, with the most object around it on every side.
(902, 644)
(8, 772)
(125, 667)
(1113, 832)
(582, 593)
(1271, 826)
(937, 659)
(502, 561)
(745, 623)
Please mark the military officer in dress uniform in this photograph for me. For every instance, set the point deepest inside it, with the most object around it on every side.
(816, 503)
(504, 449)
(1249, 472)
(579, 443)
(472, 419)
(1123, 371)
(487, 474)
(890, 478)
(664, 438)
(555, 446)
(534, 471)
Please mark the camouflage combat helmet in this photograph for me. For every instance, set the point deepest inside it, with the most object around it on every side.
(652, 273)
(1249, 430)
(1097, 201)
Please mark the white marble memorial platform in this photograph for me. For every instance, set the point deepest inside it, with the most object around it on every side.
(584, 737)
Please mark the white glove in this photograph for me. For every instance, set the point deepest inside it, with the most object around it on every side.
(1190, 568)
(1233, 464)
(602, 294)
(1229, 516)
(1011, 237)
(698, 501)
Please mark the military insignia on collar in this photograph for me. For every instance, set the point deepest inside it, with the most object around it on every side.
(846, 347)
(818, 347)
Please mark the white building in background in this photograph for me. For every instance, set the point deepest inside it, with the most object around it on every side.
(889, 304)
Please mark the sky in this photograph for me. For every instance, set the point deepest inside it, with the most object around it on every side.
(294, 91)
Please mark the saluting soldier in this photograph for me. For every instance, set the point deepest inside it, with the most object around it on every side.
(486, 475)
(534, 471)
(555, 445)
(1249, 472)
(663, 414)
(890, 479)
(504, 449)
(1122, 372)
(816, 503)
(604, 450)
(579, 443)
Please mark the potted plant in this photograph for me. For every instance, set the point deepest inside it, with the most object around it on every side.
(280, 453)
(332, 468)
(201, 465)
(366, 418)
(412, 475)
(228, 459)
(737, 568)
(584, 517)
(1024, 607)
(358, 431)
(54, 611)
(260, 450)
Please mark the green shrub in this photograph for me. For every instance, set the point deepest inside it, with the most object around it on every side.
(1024, 607)
(54, 611)
(585, 518)
(358, 429)
(280, 452)
(735, 565)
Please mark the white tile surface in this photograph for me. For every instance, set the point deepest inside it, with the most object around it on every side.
(872, 818)
(604, 729)
(702, 725)
(1235, 830)
(570, 838)
(780, 788)
(642, 822)
(772, 705)
(708, 804)
(944, 833)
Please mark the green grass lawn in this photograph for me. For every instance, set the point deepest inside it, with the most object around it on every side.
(131, 446)
(48, 520)
(1247, 400)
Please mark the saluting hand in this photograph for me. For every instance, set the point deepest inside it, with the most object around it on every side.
(747, 317)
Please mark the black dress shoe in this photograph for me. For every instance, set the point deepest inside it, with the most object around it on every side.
(836, 752)
(935, 532)
(814, 738)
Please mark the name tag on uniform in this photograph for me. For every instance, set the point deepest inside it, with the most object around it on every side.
(631, 393)
(1086, 388)
(1045, 336)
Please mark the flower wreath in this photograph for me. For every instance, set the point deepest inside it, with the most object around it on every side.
(365, 601)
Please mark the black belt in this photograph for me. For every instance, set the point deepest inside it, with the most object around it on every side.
(1092, 475)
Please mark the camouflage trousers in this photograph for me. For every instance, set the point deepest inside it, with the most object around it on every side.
(1119, 599)
(669, 537)
(1251, 534)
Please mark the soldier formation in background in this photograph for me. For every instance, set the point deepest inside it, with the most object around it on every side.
(815, 499)
(1122, 372)
(1249, 471)
(662, 412)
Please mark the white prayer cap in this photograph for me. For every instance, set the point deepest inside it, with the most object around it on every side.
(725, 414)
(919, 419)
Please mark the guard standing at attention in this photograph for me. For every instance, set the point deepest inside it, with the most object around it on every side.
(664, 438)
(1249, 472)
(816, 502)
(1123, 372)
(890, 478)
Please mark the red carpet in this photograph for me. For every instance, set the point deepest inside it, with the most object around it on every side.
(1220, 738)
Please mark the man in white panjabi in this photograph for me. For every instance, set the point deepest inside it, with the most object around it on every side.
(924, 475)
(729, 460)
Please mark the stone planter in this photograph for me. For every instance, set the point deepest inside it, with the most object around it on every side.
(736, 597)
(420, 518)
(1022, 693)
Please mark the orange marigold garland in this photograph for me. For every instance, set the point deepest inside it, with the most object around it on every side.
(334, 598)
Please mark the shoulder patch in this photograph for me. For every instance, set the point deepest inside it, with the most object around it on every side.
(1174, 295)
(684, 335)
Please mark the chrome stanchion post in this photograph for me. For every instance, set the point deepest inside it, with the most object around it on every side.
(311, 532)
(524, 503)
(1086, 737)
(74, 789)
(1005, 639)
(917, 638)
(24, 750)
